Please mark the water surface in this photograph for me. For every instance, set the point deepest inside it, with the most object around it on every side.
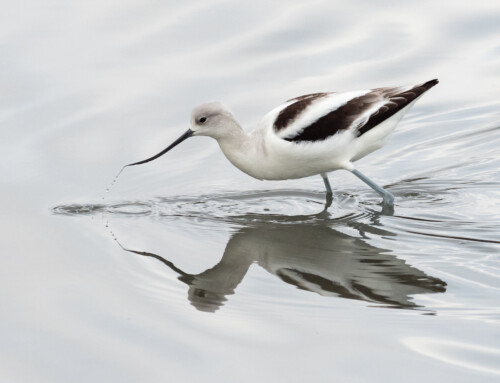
(188, 269)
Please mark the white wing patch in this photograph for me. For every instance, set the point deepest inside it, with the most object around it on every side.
(317, 109)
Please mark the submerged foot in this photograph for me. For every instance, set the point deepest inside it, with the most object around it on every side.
(388, 199)
(388, 204)
(329, 200)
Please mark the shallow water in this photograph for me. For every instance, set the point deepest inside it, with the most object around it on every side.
(187, 269)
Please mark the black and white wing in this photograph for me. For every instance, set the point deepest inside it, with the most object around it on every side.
(318, 116)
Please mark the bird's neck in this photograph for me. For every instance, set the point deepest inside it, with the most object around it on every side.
(240, 149)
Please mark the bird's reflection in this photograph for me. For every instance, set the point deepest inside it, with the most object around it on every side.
(313, 257)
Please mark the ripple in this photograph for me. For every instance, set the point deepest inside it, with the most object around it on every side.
(468, 356)
(234, 208)
(125, 208)
(78, 209)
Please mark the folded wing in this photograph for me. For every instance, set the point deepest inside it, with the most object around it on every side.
(318, 116)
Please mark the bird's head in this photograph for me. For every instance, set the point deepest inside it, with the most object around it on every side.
(212, 119)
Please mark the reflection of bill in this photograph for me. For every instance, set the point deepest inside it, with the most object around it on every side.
(311, 257)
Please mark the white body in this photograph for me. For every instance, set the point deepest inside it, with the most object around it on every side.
(264, 155)
(311, 134)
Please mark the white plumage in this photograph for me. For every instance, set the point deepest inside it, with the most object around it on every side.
(308, 135)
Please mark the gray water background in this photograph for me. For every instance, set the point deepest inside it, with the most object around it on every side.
(189, 269)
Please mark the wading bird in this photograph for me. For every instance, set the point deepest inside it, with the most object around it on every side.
(312, 134)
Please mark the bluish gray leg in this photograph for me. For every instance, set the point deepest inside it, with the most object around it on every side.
(327, 183)
(388, 197)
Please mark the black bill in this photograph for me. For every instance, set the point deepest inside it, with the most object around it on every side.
(186, 135)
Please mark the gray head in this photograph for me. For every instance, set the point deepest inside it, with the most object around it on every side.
(212, 119)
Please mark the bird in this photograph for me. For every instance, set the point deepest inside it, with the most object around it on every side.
(313, 134)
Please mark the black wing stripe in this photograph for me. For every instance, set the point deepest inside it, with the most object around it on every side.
(337, 120)
(397, 102)
(292, 111)
(343, 117)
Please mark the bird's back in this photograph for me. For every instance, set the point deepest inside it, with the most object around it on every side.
(318, 116)
(322, 132)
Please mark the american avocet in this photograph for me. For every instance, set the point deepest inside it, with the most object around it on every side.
(312, 134)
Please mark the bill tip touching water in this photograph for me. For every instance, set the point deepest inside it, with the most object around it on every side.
(313, 134)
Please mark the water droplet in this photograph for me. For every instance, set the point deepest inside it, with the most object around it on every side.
(114, 181)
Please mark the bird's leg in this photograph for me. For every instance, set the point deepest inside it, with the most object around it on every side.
(387, 197)
(327, 184)
(329, 193)
(328, 202)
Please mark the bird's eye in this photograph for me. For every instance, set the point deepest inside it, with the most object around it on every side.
(202, 120)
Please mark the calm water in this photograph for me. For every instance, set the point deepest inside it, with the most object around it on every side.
(189, 269)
